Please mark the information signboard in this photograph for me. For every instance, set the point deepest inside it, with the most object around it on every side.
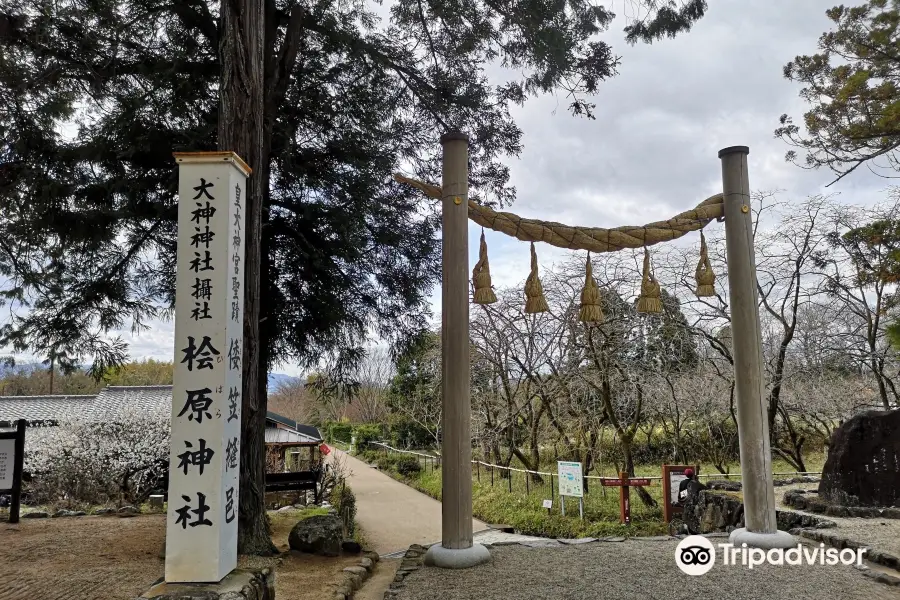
(570, 479)
(7, 460)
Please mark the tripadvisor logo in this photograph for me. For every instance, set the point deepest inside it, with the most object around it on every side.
(695, 555)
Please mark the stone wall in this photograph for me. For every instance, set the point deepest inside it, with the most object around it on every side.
(805, 500)
(240, 584)
(711, 511)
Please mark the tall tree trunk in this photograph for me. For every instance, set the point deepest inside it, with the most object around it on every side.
(241, 126)
(52, 368)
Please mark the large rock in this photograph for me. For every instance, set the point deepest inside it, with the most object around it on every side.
(863, 466)
(320, 534)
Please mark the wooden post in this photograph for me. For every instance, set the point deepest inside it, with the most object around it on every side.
(18, 462)
(752, 417)
(456, 549)
(624, 499)
(456, 443)
(205, 449)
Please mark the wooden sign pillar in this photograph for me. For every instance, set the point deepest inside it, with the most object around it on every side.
(752, 412)
(456, 549)
(12, 458)
(624, 483)
(204, 460)
(672, 476)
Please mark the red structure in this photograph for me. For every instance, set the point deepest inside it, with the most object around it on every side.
(624, 483)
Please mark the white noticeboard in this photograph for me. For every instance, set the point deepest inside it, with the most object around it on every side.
(570, 479)
(7, 460)
(204, 463)
(548, 503)
(675, 480)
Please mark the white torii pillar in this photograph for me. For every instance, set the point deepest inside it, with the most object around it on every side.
(761, 529)
(456, 550)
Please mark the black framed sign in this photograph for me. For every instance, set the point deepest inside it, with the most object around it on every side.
(12, 456)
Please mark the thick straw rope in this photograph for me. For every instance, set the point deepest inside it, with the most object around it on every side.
(592, 239)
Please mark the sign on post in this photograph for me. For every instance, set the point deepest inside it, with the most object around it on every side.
(12, 457)
(672, 476)
(570, 479)
(624, 483)
(204, 459)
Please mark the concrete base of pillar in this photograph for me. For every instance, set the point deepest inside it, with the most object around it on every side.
(456, 558)
(763, 541)
(240, 584)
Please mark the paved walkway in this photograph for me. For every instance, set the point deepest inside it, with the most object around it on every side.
(392, 515)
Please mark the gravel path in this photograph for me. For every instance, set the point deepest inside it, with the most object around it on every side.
(881, 534)
(632, 569)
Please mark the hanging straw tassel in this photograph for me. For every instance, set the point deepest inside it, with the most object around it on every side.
(591, 312)
(481, 276)
(649, 301)
(706, 279)
(534, 292)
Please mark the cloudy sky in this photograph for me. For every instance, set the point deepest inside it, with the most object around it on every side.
(652, 150)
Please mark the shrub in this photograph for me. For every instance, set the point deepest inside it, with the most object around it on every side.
(340, 431)
(408, 466)
(386, 462)
(344, 501)
(121, 459)
(405, 433)
(366, 433)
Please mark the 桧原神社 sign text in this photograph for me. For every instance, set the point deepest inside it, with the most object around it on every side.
(204, 460)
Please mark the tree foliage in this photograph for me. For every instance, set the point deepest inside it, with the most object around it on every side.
(853, 88)
(98, 95)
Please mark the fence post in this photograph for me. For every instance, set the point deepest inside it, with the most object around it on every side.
(492, 476)
(478, 470)
(509, 480)
(527, 490)
(551, 486)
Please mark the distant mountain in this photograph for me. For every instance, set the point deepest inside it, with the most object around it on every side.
(277, 379)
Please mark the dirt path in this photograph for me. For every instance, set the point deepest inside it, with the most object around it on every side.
(393, 516)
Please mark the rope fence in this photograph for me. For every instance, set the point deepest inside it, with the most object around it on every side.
(480, 463)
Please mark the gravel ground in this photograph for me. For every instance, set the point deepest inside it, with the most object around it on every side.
(881, 534)
(632, 569)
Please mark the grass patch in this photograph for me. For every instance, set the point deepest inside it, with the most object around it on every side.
(522, 507)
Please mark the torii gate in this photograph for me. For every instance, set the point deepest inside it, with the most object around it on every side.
(457, 549)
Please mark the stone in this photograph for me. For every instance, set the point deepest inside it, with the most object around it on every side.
(457, 558)
(863, 464)
(576, 541)
(891, 513)
(613, 538)
(103, 511)
(35, 514)
(240, 584)
(79, 513)
(63, 513)
(367, 564)
(373, 556)
(287, 508)
(319, 534)
(835, 510)
(128, 511)
(728, 486)
(157, 500)
(351, 547)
